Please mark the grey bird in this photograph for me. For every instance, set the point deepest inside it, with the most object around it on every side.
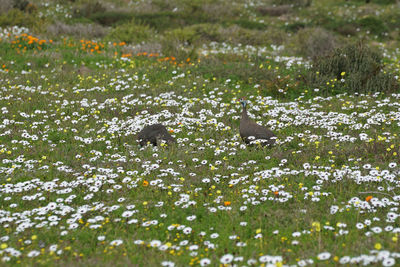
(154, 134)
(251, 132)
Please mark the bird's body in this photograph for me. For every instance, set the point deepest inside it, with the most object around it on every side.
(251, 132)
(154, 134)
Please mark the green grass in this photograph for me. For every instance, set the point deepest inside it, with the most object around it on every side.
(69, 138)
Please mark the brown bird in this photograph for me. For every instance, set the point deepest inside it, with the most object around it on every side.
(154, 134)
(251, 132)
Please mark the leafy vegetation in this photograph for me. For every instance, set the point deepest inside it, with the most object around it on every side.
(79, 79)
(354, 68)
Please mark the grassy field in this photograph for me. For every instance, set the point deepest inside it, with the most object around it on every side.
(79, 79)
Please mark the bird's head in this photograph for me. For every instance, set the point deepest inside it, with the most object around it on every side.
(243, 101)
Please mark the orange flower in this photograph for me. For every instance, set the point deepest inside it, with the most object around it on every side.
(276, 193)
(145, 183)
(227, 203)
(368, 198)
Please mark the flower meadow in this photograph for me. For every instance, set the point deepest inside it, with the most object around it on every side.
(77, 189)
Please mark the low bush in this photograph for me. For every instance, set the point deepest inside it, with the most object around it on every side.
(110, 18)
(294, 27)
(299, 3)
(354, 68)
(373, 24)
(238, 35)
(315, 42)
(132, 32)
(248, 24)
(19, 18)
(190, 34)
(273, 11)
(21, 4)
(347, 29)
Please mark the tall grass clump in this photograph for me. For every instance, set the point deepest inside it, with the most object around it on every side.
(354, 68)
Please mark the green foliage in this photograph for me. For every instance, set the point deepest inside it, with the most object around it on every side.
(373, 24)
(336, 24)
(294, 27)
(354, 68)
(161, 20)
(21, 4)
(302, 3)
(109, 18)
(248, 24)
(54, 136)
(132, 32)
(190, 34)
(19, 18)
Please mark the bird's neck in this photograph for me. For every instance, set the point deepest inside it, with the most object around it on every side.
(244, 112)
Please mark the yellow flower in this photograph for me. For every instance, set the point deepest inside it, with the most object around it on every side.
(316, 226)
(3, 246)
(34, 237)
(378, 246)
(343, 73)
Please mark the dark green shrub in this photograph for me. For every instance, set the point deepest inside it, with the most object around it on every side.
(161, 20)
(335, 23)
(111, 17)
(347, 29)
(248, 24)
(302, 3)
(19, 18)
(294, 27)
(373, 24)
(21, 4)
(354, 68)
